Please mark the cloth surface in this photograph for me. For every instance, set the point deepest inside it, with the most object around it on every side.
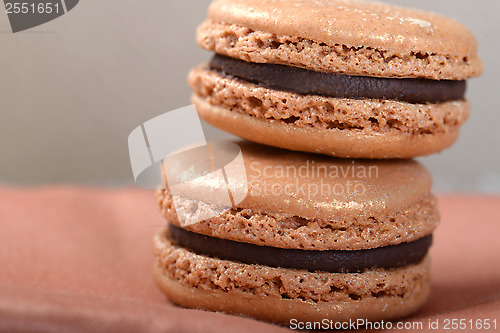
(80, 260)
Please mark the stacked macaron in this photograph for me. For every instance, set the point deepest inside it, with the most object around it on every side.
(318, 237)
(315, 238)
(343, 78)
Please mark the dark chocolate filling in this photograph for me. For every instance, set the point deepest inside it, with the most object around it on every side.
(335, 261)
(306, 82)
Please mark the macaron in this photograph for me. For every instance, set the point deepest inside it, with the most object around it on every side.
(338, 77)
(315, 238)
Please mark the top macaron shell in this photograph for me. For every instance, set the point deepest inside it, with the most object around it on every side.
(356, 24)
(351, 23)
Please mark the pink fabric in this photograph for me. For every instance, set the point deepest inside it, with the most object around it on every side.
(81, 259)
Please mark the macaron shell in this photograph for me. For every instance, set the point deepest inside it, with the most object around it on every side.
(276, 295)
(368, 116)
(282, 181)
(352, 23)
(339, 143)
(258, 46)
(338, 232)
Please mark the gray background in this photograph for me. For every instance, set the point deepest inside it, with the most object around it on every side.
(73, 89)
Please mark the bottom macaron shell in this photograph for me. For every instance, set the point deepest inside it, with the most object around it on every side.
(280, 294)
(334, 142)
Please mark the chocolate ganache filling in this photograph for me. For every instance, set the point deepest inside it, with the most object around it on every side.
(334, 261)
(307, 82)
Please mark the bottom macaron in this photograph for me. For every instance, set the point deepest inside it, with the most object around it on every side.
(282, 295)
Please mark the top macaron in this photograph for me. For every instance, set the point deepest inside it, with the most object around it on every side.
(337, 77)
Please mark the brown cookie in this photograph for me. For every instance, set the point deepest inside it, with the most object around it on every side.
(318, 236)
(369, 45)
